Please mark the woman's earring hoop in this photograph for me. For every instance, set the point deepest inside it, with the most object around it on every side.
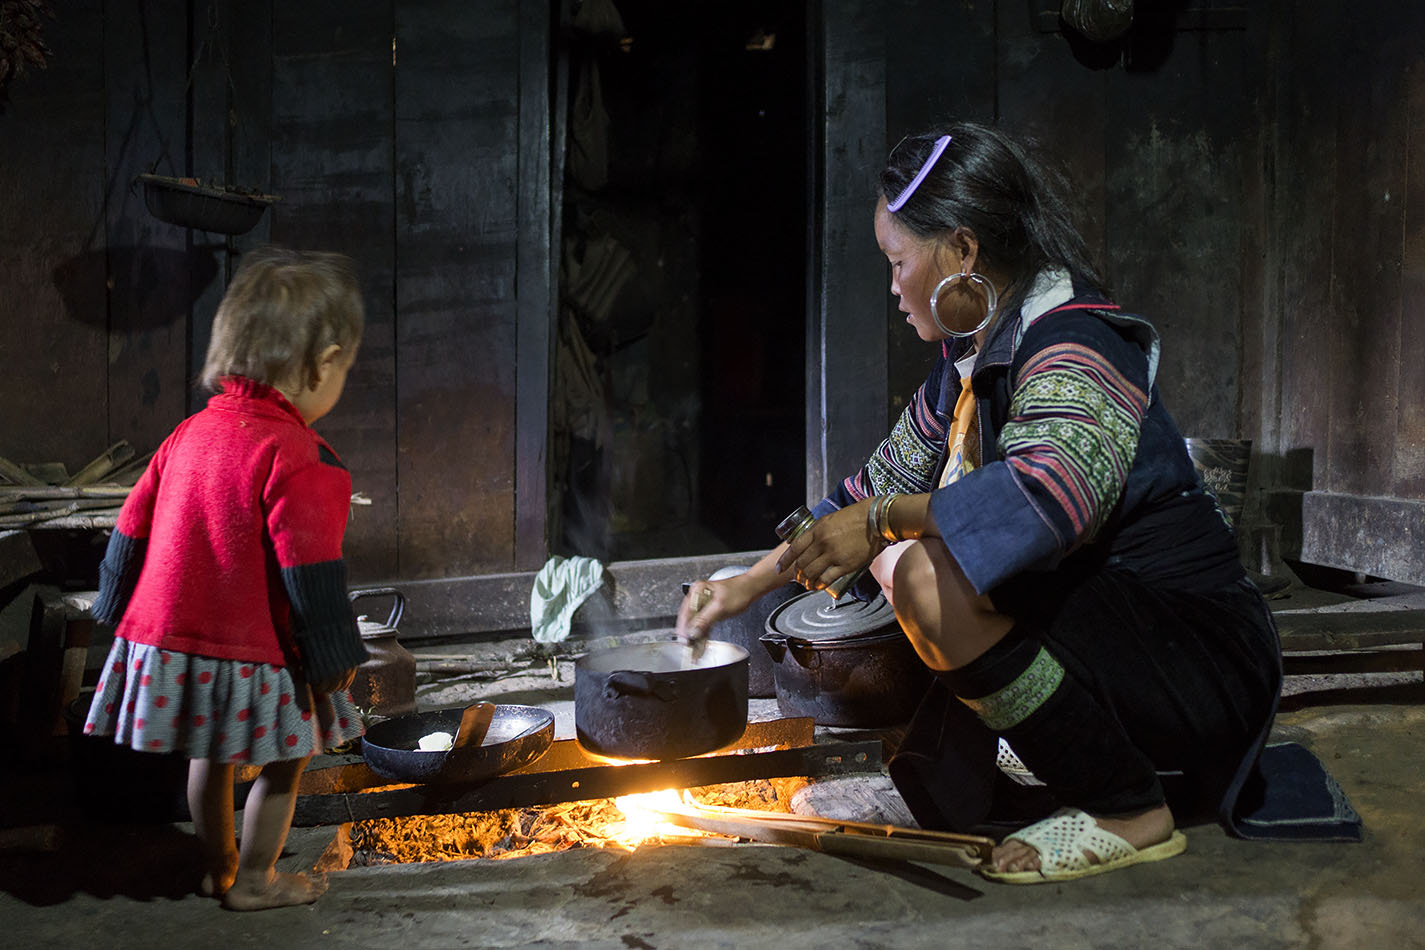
(991, 301)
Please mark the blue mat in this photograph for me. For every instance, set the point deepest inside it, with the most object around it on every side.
(1291, 797)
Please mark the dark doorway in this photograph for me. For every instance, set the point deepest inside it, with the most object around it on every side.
(685, 236)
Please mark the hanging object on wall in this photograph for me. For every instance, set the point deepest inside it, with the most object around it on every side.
(1098, 20)
(22, 44)
(193, 203)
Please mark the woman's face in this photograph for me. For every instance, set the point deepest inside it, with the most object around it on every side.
(917, 266)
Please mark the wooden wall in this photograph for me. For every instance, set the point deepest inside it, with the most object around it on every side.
(1343, 296)
(1252, 179)
(1245, 172)
(407, 135)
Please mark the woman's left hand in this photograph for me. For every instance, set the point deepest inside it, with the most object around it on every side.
(834, 545)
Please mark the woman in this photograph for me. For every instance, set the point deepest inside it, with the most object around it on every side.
(1036, 522)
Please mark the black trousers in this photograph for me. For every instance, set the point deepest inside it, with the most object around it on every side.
(1167, 695)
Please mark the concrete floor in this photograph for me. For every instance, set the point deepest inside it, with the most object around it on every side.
(126, 886)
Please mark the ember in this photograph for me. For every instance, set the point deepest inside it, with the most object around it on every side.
(512, 833)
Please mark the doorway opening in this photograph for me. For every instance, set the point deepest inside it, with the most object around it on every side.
(679, 426)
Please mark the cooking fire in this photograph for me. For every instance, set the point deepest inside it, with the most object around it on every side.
(626, 822)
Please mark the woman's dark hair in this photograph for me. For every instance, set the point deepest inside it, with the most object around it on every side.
(989, 183)
(281, 310)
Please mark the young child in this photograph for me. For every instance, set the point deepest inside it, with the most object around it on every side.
(235, 640)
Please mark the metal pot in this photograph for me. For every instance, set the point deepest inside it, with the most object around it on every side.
(746, 628)
(653, 701)
(843, 662)
(385, 685)
(517, 736)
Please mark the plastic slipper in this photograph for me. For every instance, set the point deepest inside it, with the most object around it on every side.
(1062, 841)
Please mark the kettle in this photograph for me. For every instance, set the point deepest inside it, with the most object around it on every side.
(385, 685)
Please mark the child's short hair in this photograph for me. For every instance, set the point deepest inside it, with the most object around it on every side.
(281, 310)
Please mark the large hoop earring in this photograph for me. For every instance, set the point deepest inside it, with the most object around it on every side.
(991, 301)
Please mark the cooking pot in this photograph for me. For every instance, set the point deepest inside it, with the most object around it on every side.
(843, 662)
(385, 685)
(517, 736)
(654, 701)
(746, 629)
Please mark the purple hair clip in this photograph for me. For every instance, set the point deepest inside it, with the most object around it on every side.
(935, 154)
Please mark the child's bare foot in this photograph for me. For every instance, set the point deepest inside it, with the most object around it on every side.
(1141, 831)
(216, 885)
(277, 889)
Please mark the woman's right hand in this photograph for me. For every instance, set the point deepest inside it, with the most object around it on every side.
(706, 603)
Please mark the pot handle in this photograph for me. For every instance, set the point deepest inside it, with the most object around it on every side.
(776, 645)
(638, 683)
(802, 650)
(398, 605)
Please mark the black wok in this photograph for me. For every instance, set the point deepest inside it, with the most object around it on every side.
(517, 736)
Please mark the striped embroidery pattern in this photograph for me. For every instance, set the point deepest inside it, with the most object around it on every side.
(1073, 429)
(907, 459)
(1011, 705)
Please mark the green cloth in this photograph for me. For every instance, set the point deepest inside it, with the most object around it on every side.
(560, 587)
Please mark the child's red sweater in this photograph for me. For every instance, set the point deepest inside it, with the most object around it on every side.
(229, 546)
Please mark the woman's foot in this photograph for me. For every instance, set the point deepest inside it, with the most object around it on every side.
(277, 889)
(1141, 831)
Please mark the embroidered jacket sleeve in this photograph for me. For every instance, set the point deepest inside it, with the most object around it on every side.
(909, 458)
(128, 543)
(1079, 394)
(306, 518)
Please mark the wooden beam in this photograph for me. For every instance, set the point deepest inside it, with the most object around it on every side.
(535, 285)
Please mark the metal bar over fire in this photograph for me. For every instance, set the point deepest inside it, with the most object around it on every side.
(522, 790)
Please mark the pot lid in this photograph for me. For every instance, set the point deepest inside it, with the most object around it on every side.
(816, 615)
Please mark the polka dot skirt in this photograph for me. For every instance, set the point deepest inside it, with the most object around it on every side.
(225, 710)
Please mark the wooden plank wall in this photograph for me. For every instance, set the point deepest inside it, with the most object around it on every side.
(53, 339)
(417, 172)
(457, 167)
(1345, 214)
(1145, 153)
(846, 352)
(331, 160)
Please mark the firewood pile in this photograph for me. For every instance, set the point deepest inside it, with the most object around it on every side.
(521, 832)
(47, 495)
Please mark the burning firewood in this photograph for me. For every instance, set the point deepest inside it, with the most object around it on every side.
(523, 832)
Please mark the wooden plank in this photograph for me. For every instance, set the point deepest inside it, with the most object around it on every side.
(1368, 233)
(1376, 536)
(583, 784)
(1408, 475)
(1349, 630)
(1041, 90)
(210, 105)
(332, 113)
(1360, 661)
(53, 345)
(1173, 142)
(845, 352)
(457, 109)
(1303, 153)
(535, 268)
(154, 273)
(249, 28)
